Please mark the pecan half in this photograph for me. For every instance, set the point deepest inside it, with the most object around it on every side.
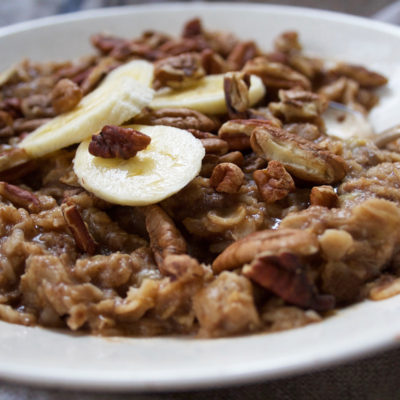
(65, 96)
(273, 183)
(272, 242)
(360, 74)
(215, 145)
(165, 238)
(287, 42)
(285, 276)
(324, 196)
(276, 75)
(298, 105)
(179, 71)
(78, 228)
(236, 89)
(183, 118)
(302, 158)
(241, 53)
(237, 132)
(20, 197)
(227, 178)
(116, 141)
(192, 28)
(212, 62)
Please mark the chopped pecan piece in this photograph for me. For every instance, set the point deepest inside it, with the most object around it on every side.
(298, 105)
(276, 75)
(235, 157)
(236, 89)
(272, 242)
(237, 132)
(215, 145)
(106, 43)
(13, 158)
(201, 134)
(192, 28)
(6, 124)
(305, 130)
(179, 265)
(285, 276)
(97, 73)
(22, 125)
(186, 45)
(79, 229)
(287, 42)
(386, 286)
(165, 238)
(212, 62)
(115, 141)
(37, 106)
(183, 118)
(65, 96)
(274, 183)
(300, 157)
(324, 196)
(20, 197)
(360, 74)
(179, 71)
(227, 178)
(240, 54)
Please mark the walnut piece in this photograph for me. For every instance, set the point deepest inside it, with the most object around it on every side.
(65, 96)
(227, 178)
(165, 238)
(183, 118)
(20, 197)
(179, 71)
(272, 242)
(236, 89)
(324, 196)
(116, 141)
(276, 75)
(285, 276)
(79, 229)
(298, 105)
(274, 183)
(237, 132)
(301, 158)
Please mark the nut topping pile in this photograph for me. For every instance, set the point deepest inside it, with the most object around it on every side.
(190, 185)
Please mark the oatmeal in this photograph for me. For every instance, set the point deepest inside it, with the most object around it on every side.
(189, 185)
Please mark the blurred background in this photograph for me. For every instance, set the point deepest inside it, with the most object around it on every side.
(12, 11)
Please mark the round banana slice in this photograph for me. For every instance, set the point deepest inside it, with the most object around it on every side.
(121, 96)
(170, 162)
(207, 96)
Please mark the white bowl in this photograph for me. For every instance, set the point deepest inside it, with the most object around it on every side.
(54, 358)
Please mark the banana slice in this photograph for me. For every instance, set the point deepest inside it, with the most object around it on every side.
(207, 96)
(169, 163)
(121, 96)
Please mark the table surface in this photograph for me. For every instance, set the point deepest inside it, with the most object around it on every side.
(371, 378)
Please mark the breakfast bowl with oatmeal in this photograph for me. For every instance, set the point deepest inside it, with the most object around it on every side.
(197, 185)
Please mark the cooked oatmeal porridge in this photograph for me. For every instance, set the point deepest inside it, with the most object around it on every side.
(189, 185)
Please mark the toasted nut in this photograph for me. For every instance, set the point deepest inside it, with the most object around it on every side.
(387, 286)
(79, 229)
(227, 178)
(37, 106)
(201, 134)
(215, 145)
(241, 53)
(285, 276)
(274, 183)
(302, 158)
(268, 242)
(179, 71)
(174, 47)
(324, 196)
(65, 96)
(236, 89)
(20, 197)
(276, 75)
(235, 157)
(237, 132)
(179, 265)
(13, 158)
(212, 62)
(298, 105)
(192, 28)
(6, 124)
(22, 125)
(165, 238)
(287, 42)
(305, 130)
(360, 74)
(115, 141)
(183, 118)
